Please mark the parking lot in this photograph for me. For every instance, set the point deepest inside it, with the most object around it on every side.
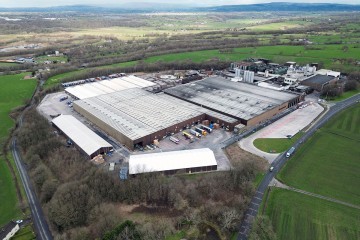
(52, 106)
(289, 125)
(211, 141)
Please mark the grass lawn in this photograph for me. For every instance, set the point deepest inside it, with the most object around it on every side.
(329, 163)
(13, 92)
(297, 216)
(25, 233)
(276, 145)
(345, 95)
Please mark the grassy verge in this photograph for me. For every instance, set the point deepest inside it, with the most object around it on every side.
(9, 208)
(13, 92)
(345, 95)
(25, 233)
(276, 145)
(329, 163)
(298, 216)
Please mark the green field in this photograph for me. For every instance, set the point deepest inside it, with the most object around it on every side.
(13, 92)
(297, 216)
(279, 26)
(281, 54)
(52, 58)
(7, 64)
(329, 163)
(276, 145)
(58, 78)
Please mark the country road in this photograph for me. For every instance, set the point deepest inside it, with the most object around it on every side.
(41, 227)
(279, 162)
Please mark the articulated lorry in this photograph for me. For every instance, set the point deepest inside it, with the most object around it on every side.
(290, 152)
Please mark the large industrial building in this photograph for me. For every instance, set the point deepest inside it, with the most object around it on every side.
(247, 103)
(318, 82)
(83, 137)
(186, 161)
(107, 86)
(137, 117)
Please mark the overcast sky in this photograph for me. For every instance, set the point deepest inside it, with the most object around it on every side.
(47, 3)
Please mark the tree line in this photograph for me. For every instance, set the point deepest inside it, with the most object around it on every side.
(80, 199)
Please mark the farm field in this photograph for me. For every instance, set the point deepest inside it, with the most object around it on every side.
(279, 25)
(13, 93)
(276, 53)
(300, 54)
(297, 216)
(59, 78)
(7, 64)
(328, 164)
(51, 58)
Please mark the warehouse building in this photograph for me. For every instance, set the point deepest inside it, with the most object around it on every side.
(247, 103)
(318, 82)
(168, 163)
(83, 137)
(137, 117)
(107, 86)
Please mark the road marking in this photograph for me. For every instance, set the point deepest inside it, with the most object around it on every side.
(258, 198)
(260, 192)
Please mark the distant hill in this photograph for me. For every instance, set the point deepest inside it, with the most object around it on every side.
(139, 7)
(284, 6)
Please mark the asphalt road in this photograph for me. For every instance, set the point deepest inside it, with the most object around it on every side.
(41, 227)
(37, 215)
(279, 162)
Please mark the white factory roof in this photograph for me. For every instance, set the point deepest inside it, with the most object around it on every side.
(158, 162)
(80, 134)
(137, 113)
(107, 86)
(328, 72)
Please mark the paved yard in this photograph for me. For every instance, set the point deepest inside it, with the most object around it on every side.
(288, 125)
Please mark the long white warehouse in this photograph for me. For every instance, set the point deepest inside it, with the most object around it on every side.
(185, 161)
(83, 137)
(94, 89)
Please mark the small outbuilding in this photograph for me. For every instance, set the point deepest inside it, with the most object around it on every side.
(83, 137)
(9, 230)
(168, 163)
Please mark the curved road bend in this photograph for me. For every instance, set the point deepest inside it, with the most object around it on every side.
(279, 162)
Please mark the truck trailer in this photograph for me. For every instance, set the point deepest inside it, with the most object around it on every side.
(209, 130)
(290, 152)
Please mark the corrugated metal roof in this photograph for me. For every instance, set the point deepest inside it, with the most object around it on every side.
(107, 86)
(157, 162)
(81, 135)
(137, 113)
(240, 100)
